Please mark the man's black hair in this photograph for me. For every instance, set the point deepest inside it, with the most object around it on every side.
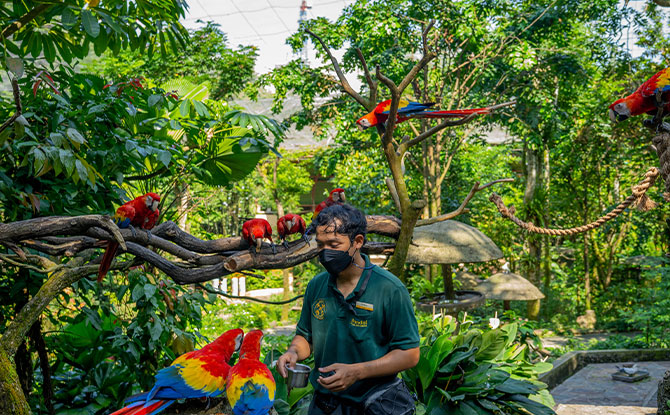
(352, 221)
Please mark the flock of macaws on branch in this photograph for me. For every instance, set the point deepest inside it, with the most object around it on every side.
(249, 384)
(206, 373)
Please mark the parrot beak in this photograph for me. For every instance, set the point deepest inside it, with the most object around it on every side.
(154, 205)
(259, 243)
(342, 198)
(238, 342)
(360, 127)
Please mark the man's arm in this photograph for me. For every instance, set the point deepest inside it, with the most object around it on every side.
(300, 349)
(391, 363)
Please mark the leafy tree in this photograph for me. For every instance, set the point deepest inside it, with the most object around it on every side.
(206, 60)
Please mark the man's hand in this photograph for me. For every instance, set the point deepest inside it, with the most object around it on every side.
(289, 358)
(345, 376)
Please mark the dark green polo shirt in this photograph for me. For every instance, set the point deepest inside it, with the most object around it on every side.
(385, 322)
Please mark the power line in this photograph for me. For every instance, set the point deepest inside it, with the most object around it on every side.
(247, 20)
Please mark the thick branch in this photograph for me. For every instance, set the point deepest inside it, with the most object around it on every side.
(18, 328)
(461, 209)
(25, 19)
(340, 75)
(57, 225)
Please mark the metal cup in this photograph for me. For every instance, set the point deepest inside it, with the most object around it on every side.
(298, 376)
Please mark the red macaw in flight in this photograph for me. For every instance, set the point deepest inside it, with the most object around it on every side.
(141, 212)
(250, 386)
(410, 109)
(290, 224)
(648, 98)
(197, 374)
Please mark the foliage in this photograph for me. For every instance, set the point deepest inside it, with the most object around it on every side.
(477, 371)
(110, 346)
(205, 59)
(71, 29)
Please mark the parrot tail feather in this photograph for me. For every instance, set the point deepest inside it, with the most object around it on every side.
(451, 113)
(107, 258)
(144, 408)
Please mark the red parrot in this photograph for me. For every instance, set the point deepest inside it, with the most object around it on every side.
(409, 109)
(250, 386)
(254, 230)
(290, 224)
(197, 374)
(652, 94)
(140, 212)
(336, 198)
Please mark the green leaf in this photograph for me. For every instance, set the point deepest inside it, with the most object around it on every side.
(184, 107)
(226, 161)
(516, 386)
(81, 170)
(493, 343)
(137, 293)
(156, 329)
(149, 290)
(459, 355)
(533, 407)
(75, 137)
(282, 407)
(90, 22)
(164, 157)
(68, 18)
(15, 65)
(153, 99)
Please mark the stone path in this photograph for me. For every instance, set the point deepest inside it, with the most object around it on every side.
(591, 391)
(560, 341)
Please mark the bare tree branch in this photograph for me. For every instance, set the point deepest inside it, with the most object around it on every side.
(372, 84)
(343, 79)
(461, 209)
(17, 105)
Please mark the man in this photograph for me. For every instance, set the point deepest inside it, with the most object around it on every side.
(358, 320)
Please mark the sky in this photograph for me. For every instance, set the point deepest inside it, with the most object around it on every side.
(263, 23)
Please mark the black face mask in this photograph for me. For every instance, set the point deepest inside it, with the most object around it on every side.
(335, 261)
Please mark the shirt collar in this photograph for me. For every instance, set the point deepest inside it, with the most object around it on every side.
(332, 279)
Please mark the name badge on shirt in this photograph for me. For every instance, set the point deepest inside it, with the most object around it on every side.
(364, 306)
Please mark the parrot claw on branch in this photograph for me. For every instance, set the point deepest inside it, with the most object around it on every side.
(274, 248)
(133, 231)
(285, 244)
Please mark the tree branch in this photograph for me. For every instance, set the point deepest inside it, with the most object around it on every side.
(372, 84)
(25, 19)
(17, 105)
(340, 75)
(461, 209)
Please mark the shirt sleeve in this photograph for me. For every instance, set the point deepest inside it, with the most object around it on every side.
(402, 326)
(304, 327)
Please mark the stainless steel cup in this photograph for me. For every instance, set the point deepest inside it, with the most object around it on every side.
(298, 376)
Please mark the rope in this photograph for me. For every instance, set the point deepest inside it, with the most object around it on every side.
(662, 143)
(258, 300)
(638, 197)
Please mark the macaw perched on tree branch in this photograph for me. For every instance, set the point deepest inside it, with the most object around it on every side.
(336, 197)
(197, 374)
(140, 212)
(290, 224)
(250, 386)
(408, 110)
(652, 97)
(255, 230)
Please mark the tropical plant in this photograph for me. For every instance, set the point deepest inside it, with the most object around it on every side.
(477, 372)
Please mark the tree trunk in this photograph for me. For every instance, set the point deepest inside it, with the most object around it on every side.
(409, 217)
(532, 243)
(183, 195)
(448, 282)
(12, 400)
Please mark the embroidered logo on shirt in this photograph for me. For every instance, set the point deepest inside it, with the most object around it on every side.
(359, 323)
(364, 306)
(319, 309)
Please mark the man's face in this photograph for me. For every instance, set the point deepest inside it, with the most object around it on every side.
(327, 238)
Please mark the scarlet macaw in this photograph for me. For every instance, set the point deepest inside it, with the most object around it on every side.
(250, 386)
(254, 230)
(336, 197)
(652, 94)
(140, 212)
(197, 374)
(290, 224)
(409, 109)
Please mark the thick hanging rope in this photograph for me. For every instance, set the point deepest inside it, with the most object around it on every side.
(662, 143)
(638, 197)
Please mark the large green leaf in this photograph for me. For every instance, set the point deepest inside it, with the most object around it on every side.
(225, 160)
